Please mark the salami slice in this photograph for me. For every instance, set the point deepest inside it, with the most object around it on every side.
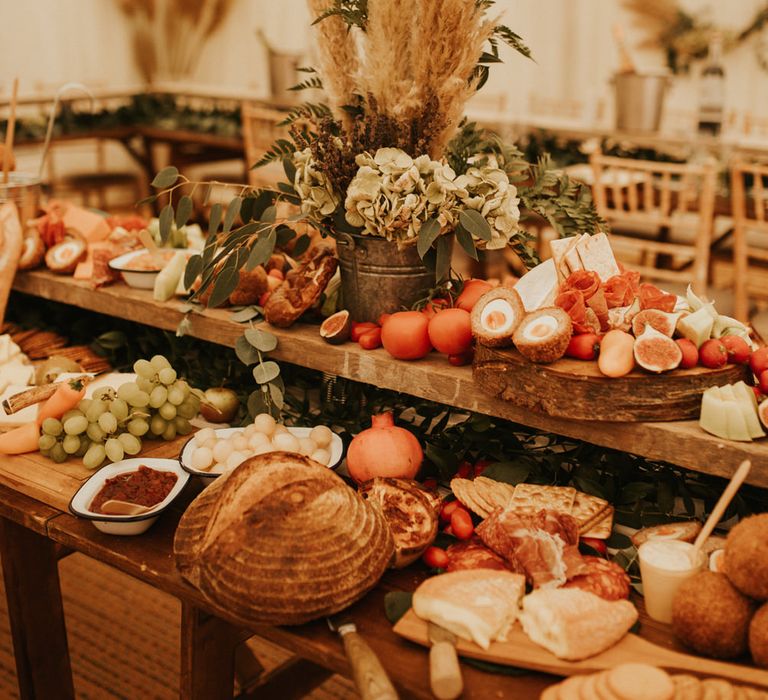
(651, 297)
(603, 578)
(473, 555)
(584, 281)
(618, 292)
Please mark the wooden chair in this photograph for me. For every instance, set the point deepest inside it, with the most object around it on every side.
(750, 225)
(260, 130)
(643, 200)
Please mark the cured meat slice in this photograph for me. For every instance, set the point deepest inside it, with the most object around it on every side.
(583, 281)
(572, 302)
(602, 577)
(475, 555)
(599, 305)
(651, 297)
(618, 292)
(542, 545)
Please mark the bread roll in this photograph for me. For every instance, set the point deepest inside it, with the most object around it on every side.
(282, 540)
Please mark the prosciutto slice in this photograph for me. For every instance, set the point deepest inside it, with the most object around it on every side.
(572, 302)
(543, 545)
(475, 555)
(582, 281)
(599, 305)
(651, 297)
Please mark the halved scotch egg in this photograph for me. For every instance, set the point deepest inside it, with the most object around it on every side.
(543, 335)
(496, 315)
(63, 257)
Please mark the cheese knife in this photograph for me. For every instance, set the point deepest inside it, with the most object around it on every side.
(444, 672)
(369, 675)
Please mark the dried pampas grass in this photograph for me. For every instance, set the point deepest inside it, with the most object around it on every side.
(411, 69)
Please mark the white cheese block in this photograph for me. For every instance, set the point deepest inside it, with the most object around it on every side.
(8, 349)
(538, 287)
(15, 372)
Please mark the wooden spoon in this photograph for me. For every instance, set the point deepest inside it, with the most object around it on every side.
(151, 246)
(116, 507)
(717, 512)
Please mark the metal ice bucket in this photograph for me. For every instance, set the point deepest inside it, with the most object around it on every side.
(24, 190)
(639, 100)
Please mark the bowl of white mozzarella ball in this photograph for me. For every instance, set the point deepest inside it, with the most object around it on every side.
(212, 452)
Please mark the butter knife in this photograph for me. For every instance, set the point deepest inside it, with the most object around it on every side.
(369, 675)
(444, 672)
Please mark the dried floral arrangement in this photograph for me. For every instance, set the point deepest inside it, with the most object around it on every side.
(684, 37)
(388, 154)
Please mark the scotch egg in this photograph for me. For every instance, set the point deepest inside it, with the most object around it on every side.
(496, 316)
(543, 335)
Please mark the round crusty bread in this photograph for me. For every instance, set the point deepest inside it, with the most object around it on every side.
(282, 540)
(640, 682)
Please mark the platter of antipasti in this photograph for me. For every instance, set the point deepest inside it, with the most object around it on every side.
(580, 336)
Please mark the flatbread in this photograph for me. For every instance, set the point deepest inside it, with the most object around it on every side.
(559, 247)
(572, 257)
(596, 255)
(531, 498)
(587, 508)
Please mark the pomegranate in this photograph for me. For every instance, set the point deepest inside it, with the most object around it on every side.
(384, 449)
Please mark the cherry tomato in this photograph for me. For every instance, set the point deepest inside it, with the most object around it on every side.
(383, 319)
(359, 329)
(430, 484)
(447, 510)
(264, 298)
(471, 292)
(583, 346)
(450, 331)
(758, 394)
(598, 545)
(460, 360)
(435, 558)
(405, 335)
(370, 340)
(762, 381)
(461, 524)
(758, 361)
(690, 353)
(713, 354)
(464, 470)
(738, 349)
(275, 272)
(435, 305)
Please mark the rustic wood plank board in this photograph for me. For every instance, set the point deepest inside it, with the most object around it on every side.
(578, 390)
(680, 442)
(519, 650)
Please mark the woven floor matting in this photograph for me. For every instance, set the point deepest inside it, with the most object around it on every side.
(124, 639)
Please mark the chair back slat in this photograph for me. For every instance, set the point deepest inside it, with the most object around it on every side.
(261, 128)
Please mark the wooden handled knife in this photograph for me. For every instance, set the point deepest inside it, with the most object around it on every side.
(444, 672)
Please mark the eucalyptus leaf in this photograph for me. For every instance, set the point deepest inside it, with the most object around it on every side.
(276, 394)
(245, 352)
(428, 232)
(166, 219)
(225, 283)
(112, 340)
(509, 472)
(246, 209)
(166, 177)
(290, 169)
(475, 223)
(396, 604)
(183, 210)
(207, 189)
(284, 235)
(257, 403)
(301, 245)
(266, 372)
(192, 270)
(233, 209)
(443, 260)
(264, 199)
(147, 200)
(243, 315)
(262, 250)
(214, 219)
(466, 242)
(261, 340)
(269, 214)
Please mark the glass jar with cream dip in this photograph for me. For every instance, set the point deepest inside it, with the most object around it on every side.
(664, 566)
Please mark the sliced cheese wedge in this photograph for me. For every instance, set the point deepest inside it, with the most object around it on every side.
(538, 287)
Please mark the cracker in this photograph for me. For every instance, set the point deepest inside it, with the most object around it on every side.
(570, 688)
(586, 507)
(638, 681)
(496, 493)
(585, 525)
(464, 492)
(717, 689)
(687, 687)
(531, 498)
(602, 529)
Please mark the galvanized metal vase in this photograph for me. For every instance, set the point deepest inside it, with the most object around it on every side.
(378, 278)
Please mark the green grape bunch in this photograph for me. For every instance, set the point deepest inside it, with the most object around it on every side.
(111, 424)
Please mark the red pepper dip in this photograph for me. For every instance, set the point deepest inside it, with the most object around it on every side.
(145, 487)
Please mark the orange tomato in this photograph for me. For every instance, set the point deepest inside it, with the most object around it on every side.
(360, 329)
(471, 292)
(435, 305)
(450, 331)
(461, 524)
(370, 340)
(435, 558)
(405, 335)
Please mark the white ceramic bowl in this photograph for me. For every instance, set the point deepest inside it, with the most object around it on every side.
(140, 279)
(125, 524)
(337, 449)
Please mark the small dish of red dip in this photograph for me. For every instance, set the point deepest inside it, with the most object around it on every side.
(144, 487)
(150, 482)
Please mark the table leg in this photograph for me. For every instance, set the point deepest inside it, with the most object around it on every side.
(207, 655)
(36, 614)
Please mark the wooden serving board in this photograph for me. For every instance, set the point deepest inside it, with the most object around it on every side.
(577, 389)
(519, 650)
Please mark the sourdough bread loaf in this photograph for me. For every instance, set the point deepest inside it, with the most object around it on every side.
(282, 540)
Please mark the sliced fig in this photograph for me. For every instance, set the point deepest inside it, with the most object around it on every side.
(661, 321)
(336, 328)
(656, 352)
(63, 257)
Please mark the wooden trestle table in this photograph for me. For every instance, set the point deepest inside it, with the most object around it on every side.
(36, 530)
